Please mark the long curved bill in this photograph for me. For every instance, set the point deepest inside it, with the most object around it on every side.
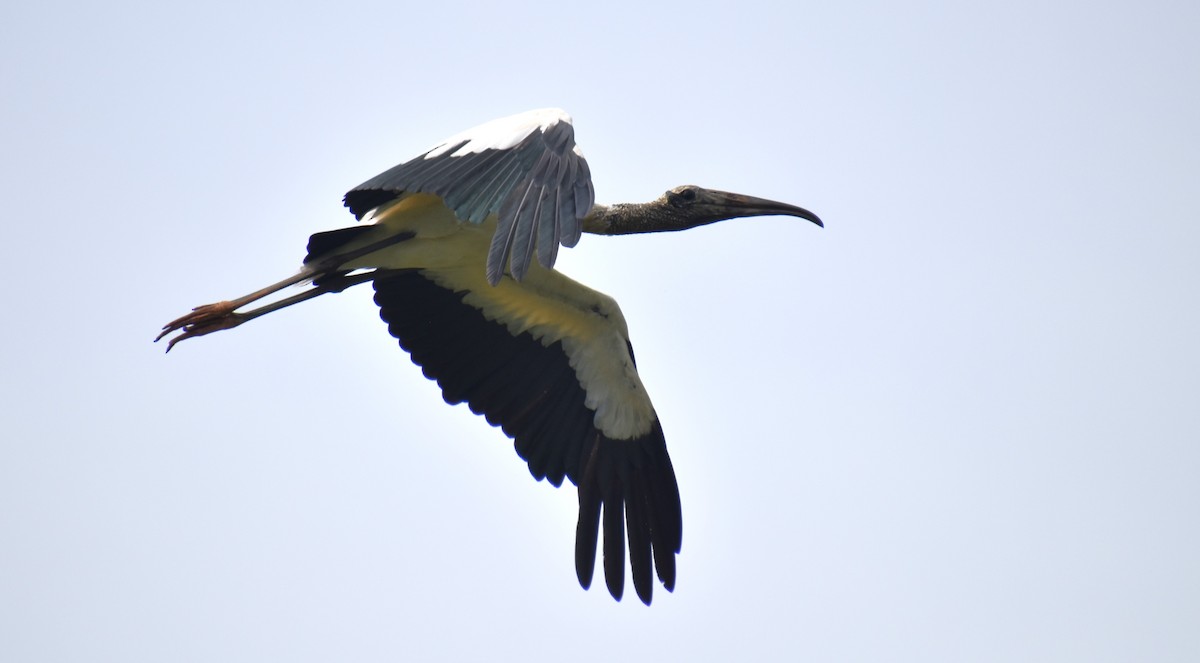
(739, 205)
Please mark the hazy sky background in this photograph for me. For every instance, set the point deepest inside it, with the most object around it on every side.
(961, 423)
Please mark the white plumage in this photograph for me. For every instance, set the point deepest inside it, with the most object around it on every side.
(503, 133)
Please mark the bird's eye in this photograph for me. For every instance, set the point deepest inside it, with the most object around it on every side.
(682, 197)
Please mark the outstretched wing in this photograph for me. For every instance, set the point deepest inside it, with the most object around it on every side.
(525, 168)
(561, 382)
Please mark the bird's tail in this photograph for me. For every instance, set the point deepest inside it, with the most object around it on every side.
(324, 244)
(330, 251)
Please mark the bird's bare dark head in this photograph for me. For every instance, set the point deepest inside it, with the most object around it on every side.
(684, 207)
(697, 206)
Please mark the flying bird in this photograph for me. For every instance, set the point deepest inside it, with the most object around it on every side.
(450, 248)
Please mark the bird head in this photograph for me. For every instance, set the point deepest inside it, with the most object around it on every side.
(684, 207)
(692, 206)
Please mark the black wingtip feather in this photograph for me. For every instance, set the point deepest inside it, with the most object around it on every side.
(639, 531)
(634, 476)
(614, 547)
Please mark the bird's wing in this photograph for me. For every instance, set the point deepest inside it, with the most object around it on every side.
(525, 168)
(549, 361)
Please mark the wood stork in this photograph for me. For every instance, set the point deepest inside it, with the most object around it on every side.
(450, 253)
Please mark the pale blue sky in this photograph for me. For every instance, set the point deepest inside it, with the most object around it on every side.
(961, 423)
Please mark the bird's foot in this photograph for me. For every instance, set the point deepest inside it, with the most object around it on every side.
(202, 320)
